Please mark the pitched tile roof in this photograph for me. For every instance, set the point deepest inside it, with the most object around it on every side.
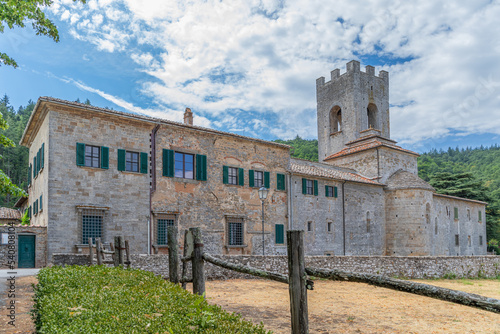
(327, 171)
(367, 146)
(405, 180)
(6, 213)
(138, 117)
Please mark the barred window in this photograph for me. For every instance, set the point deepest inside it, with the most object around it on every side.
(162, 229)
(235, 231)
(92, 224)
(92, 156)
(232, 175)
(132, 162)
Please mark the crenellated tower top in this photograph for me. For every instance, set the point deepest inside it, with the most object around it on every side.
(350, 106)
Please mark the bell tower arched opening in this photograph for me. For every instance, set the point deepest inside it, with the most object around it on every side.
(372, 116)
(335, 119)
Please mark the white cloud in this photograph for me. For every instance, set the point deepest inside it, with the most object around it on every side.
(261, 58)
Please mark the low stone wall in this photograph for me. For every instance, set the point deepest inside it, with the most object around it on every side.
(40, 233)
(406, 267)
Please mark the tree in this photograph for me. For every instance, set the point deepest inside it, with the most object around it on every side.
(14, 13)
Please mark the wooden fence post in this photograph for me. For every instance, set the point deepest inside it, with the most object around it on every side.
(297, 282)
(184, 262)
(173, 258)
(91, 252)
(117, 255)
(197, 262)
(127, 254)
(98, 250)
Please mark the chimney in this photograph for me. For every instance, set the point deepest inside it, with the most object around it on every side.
(188, 117)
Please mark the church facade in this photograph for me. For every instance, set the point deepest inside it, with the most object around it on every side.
(100, 173)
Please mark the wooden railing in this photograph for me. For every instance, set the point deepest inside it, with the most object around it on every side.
(118, 250)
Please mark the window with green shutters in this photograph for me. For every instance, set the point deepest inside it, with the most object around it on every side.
(456, 213)
(232, 175)
(29, 175)
(92, 156)
(279, 231)
(309, 187)
(144, 163)
(258, 179)
(280, 181)
(136, 162)
(35, 207)
(41, 203)
(184, 165)
(42, 155)
(331, 191)
(34, 167)
(38, 161)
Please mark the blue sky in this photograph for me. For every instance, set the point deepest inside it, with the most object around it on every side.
(250, 66)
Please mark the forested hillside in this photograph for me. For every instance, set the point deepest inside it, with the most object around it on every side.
(302, 148)
(14, 161)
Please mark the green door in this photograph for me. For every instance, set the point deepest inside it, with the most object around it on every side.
(26, 251)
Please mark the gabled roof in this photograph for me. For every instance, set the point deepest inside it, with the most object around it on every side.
(405, 180)
(45, 99)
(327, 171)
(367, 146)
(6, 213)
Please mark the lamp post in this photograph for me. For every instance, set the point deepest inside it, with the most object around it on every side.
(263, 195)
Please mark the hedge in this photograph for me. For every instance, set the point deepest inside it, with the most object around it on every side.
(97, 299)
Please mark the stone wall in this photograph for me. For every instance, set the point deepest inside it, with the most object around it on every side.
(40, 233)
(405, 267)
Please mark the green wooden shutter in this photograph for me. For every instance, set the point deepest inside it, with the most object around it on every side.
(144, 162)
(326, 191)
(315, 188)
(80, 154)
(456, 213)
(29, 175)
(34, 166)
(201, 167)
(41, 203)
(251, 180)
(42, 155)
(36, 207)
(335, 192)
(304, 186)
(38, 160)
(266, 180)
(121, 160)
(241, 177)
(29, 212)
(104, 157)
(225, 174)
(279, 233)
(168, 163)
(280, 181)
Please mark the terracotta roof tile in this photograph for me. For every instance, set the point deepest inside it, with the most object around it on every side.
(405, 180)
(6, 213)
(364, 147)
(323, 170)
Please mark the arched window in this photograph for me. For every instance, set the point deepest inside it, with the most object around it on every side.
(371, 113)
(335, 119)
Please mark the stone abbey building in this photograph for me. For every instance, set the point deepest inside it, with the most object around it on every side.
(99, 173)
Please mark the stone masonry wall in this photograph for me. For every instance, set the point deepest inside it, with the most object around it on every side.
(406, 267)
(123, 196)
(209, 203)
(40, 233)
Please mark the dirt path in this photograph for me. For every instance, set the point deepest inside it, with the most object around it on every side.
(24, 302)
(334, 307)
(340, 307)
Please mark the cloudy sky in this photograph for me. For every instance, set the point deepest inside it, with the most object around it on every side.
(250, 66)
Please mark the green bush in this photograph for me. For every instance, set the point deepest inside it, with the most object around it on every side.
(98, 299)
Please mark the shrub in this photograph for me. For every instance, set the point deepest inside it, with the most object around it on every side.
(98, 299)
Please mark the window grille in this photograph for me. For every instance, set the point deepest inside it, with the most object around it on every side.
(232, 175)
(92, 156)
(92, 224)
(235, 231)
(162, 229)
(132, 161)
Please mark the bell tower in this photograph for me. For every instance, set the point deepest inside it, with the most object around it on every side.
(351, 106)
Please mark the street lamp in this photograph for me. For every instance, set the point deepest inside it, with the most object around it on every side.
(263, 195)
